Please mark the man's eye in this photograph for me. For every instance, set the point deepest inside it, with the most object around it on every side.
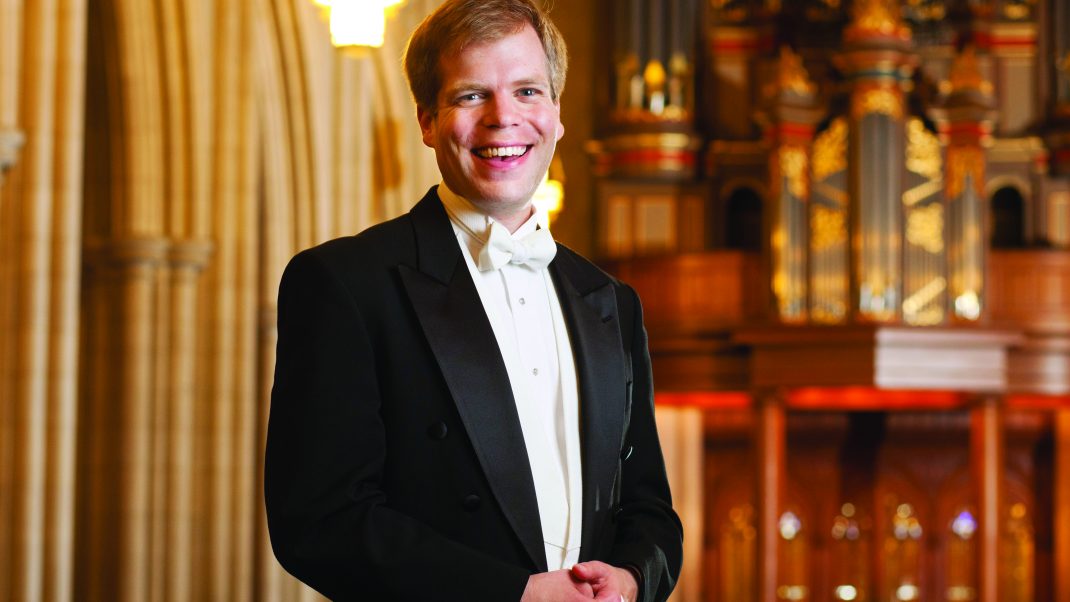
(469, 98)
(529, 92)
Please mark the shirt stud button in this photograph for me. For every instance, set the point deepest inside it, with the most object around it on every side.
(437, 430)
(535, 371)
(522, 301)
(471, 502)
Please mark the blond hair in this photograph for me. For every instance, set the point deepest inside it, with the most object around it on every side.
(457, 24)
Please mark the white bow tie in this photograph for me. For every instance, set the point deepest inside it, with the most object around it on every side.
(535, 250)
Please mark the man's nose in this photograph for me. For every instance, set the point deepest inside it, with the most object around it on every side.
(502, 111)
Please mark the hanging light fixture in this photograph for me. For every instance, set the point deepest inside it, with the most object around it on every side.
(358, 24)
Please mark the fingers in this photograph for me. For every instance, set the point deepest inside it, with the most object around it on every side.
(605, 581)
(557, 586)
(592, 571)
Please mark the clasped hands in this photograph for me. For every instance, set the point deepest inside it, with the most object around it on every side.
(585, 581)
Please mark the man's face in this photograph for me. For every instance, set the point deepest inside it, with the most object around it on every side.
(496, 124)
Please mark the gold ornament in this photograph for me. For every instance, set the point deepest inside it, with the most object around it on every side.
(925, 227)
(961, 162)
(791, 74)
(830, 150)
(880, 101)
(828, 227)
(966, 73)
(793, 167)
(923, 150)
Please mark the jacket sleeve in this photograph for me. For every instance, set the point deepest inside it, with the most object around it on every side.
(330, 523)
(649, 535)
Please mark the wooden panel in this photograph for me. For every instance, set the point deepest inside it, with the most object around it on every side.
(877, 462)
(718, 288)
(1031, 289)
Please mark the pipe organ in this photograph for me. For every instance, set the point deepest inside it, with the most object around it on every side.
(838, 214)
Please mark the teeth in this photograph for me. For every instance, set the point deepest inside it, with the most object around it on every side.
(501, 151)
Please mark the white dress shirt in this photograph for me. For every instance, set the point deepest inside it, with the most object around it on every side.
(525, 315)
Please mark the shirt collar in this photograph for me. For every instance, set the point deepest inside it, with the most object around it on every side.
(469, 219)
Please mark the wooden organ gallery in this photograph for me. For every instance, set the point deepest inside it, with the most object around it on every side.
(849, 221)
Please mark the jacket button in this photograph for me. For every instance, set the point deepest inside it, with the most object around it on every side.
(471, 502)
(626, 453)
(437, 430)
(616, 513)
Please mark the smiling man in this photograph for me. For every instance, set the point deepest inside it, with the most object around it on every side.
(462, 408)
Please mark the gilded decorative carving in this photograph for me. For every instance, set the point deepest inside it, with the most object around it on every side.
(923, 150)
(663, 141)
(925, 227)
(879, 17)
(830, 150)
(793, 167)
(877, 101)
(966, 73)
(963, 161)
(791, 75)
(1018, 10)
(926, 10)
(828, 227)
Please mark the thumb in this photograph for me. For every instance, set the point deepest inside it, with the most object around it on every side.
(589, 571)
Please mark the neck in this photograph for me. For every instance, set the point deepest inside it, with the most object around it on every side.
(510, 215)
(511, 219)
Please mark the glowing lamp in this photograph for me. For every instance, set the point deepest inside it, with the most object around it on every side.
(357, 23)
(550, 195)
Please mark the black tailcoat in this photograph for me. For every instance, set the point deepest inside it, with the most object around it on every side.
(396, 467)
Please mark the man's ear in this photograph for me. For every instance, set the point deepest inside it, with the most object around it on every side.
(426, 117)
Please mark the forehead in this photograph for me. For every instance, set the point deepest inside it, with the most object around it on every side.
(512, 57)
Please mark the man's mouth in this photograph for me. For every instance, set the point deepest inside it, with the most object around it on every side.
(501, 153)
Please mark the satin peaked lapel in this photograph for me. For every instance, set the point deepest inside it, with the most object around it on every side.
(456, 326)
(590, 307)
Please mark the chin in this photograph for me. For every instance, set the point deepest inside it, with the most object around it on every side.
(502, 195)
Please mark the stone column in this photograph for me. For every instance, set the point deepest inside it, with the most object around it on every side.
(115, 560)
(10, 143)
(41, 108)
(187, 259)
(771, 440)
(987, 452)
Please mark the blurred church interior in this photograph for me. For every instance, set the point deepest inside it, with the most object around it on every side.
(848, 220)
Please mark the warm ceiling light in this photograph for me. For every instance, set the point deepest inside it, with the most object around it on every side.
(357, 23)
(392, 6)
(325, 8)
